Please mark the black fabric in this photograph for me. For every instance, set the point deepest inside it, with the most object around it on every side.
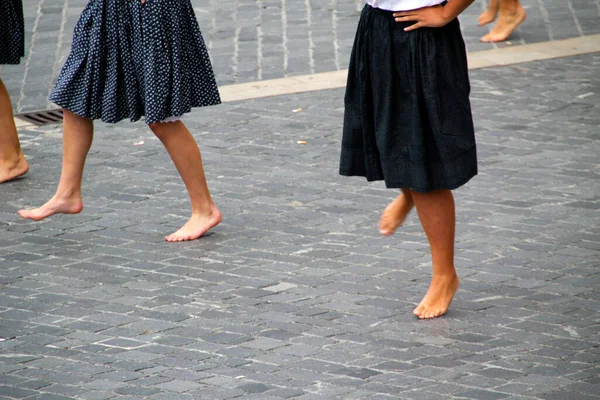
(408, 116)
(12, 32)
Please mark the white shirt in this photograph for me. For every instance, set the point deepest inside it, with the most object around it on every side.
(403, 5)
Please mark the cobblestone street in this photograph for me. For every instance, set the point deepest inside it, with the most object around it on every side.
(296, 295)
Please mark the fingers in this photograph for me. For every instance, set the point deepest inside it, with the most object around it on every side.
(406, 19)
(407, 16)
(414, 26)
(404, 14)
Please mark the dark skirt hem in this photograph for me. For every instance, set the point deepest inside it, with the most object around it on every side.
(135, 118)
(12, 32)
(419, 189)
(16, 61)
(356, 168)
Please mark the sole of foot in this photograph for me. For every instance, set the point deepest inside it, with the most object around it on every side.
(196, 227)
(10, 172)
(394, 215)
(438, 298)
(52, 207)
(505, 26)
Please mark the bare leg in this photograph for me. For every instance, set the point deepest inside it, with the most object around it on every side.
(396, 212)
(185, 154)
(12, 160)
(436, 212)
(78, 134)
(489, 15)
(512, 14)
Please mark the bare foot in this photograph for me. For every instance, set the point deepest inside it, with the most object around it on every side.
(394, 214)
(197, 226)
(56, 205)
(487, 17)
(506, 25)
(438, 297)
(12, 170)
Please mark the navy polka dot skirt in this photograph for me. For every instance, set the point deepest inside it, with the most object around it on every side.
(12, 32)
(130, 60)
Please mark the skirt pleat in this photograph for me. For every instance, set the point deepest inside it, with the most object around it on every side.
(408, 117)
(12, 32)
(130, 60)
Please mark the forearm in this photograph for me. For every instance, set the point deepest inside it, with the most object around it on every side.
(432, 17)
(455, 7)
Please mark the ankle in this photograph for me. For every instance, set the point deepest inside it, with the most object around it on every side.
(446, 275)
(511, 9)
(12, 159)
(205, 211)
(67, 195)
(405, 201)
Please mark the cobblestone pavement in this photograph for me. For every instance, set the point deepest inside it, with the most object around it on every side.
(295, 295)
(253, 40)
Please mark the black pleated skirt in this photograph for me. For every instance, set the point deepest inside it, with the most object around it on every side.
(12, 32)
(407, 112)
(130, 60)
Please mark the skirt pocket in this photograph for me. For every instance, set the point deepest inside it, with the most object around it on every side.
(458, 135)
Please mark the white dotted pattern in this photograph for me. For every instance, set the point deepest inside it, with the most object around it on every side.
(130, 60)
(12, 33)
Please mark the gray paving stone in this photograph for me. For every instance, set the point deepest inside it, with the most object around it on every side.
(254, 388)
(15, 392)
(34, 384)
(178, 386)
(66, 390)
(103, 384)
(567, 395)
(286, 393)
(48, 396)
(482, 395)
